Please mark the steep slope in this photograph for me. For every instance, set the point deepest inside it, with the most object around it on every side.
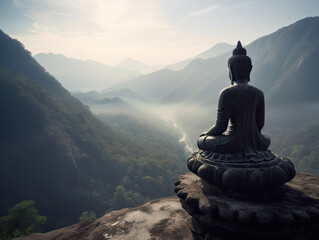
(14, 57)
(55, 152)
(74, 74)
(283, 66)
(285, 62)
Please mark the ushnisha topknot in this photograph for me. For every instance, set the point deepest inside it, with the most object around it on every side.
(239, 50)
(241, 63)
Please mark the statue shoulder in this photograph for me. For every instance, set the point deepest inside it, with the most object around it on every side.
(227, 90)
(261, 93)
(226, 95)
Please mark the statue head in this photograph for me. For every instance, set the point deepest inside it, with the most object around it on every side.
(239, 65)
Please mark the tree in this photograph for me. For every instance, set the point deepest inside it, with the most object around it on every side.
(22, 219)
(87, 216)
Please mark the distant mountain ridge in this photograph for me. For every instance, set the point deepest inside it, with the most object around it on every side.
(214, 51)
(284, 67)
(75, 74)
(93, 97)
(132, 64)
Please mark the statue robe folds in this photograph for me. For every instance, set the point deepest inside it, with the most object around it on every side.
(243, 107)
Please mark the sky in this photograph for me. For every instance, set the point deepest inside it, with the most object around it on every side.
(156, 32)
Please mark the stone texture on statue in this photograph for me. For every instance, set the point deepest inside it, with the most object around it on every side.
(234, 153)
(240, 172)
(216, 214)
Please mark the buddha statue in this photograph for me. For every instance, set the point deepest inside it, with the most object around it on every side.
(243, 107)
(234, 153)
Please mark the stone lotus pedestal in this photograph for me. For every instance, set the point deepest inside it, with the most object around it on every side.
(260, 173)
(218, 213)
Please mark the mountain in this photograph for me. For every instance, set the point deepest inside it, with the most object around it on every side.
(126, 94)
(152, 85)
(132, 64)
(214, 51)
(285, 63)
(87, 97)
(284, 67)
(55, 152)
(172, 86)
(74, 74)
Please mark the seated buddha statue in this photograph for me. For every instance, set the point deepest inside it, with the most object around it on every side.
(240, 113)
(234, 153)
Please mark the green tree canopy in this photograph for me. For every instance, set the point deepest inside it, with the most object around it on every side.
(22, 219)
(87, 216)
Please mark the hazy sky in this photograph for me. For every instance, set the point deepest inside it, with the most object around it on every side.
(151, 31)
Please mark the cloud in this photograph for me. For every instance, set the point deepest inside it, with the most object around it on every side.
(104, 30)
(249, 3)
(200, 12)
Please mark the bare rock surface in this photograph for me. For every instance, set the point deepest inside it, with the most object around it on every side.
(219, 214)
(162, 218)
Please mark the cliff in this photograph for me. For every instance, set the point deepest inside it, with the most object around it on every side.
(162, 218)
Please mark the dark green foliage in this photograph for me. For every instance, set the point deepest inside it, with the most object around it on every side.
(147, 178)
(53, 150)
(121, 197)
(300, 144)
(14, 57)
(87, 216)
(22, 219)
(68, 160)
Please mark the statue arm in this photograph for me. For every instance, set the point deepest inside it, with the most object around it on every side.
(223, 115)
(260, 113)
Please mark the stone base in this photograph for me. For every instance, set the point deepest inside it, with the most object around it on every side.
(217, 215)
(242, 173)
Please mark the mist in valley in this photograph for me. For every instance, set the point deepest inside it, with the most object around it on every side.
(187, 121)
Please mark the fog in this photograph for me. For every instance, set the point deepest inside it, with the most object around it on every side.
(187, 122)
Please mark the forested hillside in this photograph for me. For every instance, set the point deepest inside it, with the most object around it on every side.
(299, 143)
(55, 152)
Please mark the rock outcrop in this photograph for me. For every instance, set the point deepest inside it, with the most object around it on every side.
(219, 213)
(164, 218)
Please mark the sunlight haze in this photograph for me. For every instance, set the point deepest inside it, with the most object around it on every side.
(150, 31)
